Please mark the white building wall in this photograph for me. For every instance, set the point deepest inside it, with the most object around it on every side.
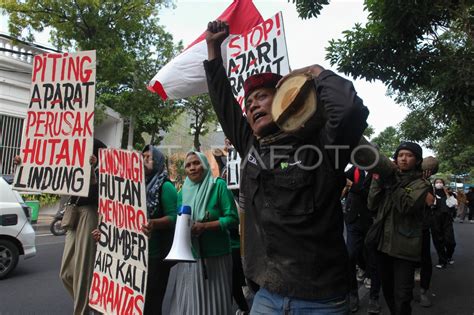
(15, 83)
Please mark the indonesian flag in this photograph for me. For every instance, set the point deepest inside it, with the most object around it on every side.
(184, 75)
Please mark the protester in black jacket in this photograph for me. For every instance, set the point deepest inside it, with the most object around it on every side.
(470, 204)
(358, 220)
(442, 226)
(294, 248)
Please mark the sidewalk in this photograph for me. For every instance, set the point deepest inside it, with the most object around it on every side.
(45, 217)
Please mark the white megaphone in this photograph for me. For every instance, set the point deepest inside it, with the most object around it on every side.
(181, 248)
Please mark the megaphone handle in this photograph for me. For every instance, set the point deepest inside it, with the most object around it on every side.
(204, 269)
(203, 263)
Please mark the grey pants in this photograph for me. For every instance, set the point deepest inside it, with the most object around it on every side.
(77, 265)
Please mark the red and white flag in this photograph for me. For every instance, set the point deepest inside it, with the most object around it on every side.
(184, 75)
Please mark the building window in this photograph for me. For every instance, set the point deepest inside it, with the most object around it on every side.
(10, 141)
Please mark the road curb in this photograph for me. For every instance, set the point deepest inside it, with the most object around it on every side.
(39, 228)
(43, 223)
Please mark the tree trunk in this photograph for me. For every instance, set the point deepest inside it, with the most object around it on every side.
(366, 156)
(130, 135)
(197, 144)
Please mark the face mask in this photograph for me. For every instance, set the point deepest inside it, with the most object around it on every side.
(439, 186)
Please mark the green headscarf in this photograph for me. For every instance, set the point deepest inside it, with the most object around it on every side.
(197, 195)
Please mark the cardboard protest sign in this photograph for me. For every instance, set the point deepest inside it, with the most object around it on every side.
(261, 49)
(120, 268)
(58, 131)
(233, 169)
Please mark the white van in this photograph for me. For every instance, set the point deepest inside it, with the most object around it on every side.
(17, 236)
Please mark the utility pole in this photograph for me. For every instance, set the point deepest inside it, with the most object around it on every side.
(130, 134)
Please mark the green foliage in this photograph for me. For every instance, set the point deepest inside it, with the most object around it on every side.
(309, 8)
(176, 169)
(405, 43)
(99, 114)
(44, 199)
(453, 144)
(369, 131)
(116, 29)
(200, 109)
(130, 44)
(455, 155)
(149, 112)
(388, 141)
(418, 127)
(423, 51)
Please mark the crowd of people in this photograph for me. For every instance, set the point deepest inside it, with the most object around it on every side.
(295, 259)
(436, 221)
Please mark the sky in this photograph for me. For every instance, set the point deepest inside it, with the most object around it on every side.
(306, 41)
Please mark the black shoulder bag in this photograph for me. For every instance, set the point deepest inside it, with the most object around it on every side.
(374, 234)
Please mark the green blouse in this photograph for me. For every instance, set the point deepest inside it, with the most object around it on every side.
(221, 206)
(160, 241)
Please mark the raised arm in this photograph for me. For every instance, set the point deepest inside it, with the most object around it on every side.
(228, 111)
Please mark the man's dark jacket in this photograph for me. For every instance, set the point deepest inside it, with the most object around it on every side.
(293, 236)
(401, 205)
(356, 202)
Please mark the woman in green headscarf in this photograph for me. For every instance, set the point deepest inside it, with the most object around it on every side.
(205, 287)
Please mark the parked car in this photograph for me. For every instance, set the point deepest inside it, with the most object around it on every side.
(17, 236)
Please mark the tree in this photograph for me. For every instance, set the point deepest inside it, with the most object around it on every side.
(151, 115)
(369, 131)
(200, 109)
(309, 8)
(453, 144)
(129, 43)
(454, 156)
(116, 29)
(388, 140)
(422, 50)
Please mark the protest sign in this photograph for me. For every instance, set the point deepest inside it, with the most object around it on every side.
(261, 49)
(233, 169)
(120, 267)
(57, 135)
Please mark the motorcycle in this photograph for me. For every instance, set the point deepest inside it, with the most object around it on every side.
(55, 226)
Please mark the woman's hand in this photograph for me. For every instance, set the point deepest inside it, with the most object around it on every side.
(17, 160)
(96, 235)
(224, 174)
(427, 174)
(198, 228)
(148, 228)
(93, 160)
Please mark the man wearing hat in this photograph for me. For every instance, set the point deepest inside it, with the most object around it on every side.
(294, 246)
(399, 200)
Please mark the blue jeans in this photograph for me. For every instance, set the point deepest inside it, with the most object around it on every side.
(267, 303)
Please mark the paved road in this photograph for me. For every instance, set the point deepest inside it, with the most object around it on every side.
(35, 288)
(452, 289)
